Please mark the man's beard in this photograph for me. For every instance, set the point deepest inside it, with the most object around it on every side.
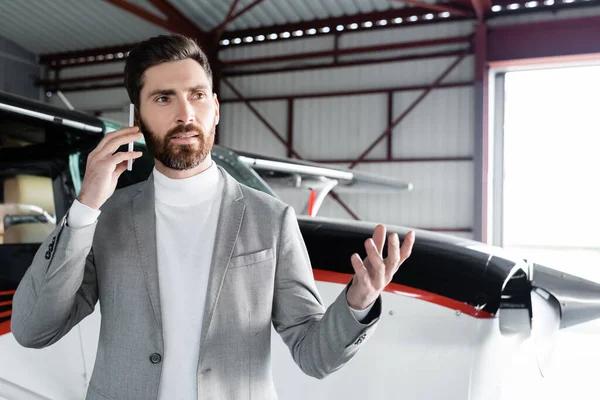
(179, 156)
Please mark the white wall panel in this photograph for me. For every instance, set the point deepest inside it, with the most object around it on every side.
(442, 125)
(339, 127)
(407, 52)
(95, 100)
(343, 127)
(89, 70)
(241, 129)
(281, 64)
(442, 196)
(277, 47)
(406, 34)
(384, 75)
(65, 25)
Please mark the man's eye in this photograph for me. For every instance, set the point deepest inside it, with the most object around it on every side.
(199, 95)
(161, 99)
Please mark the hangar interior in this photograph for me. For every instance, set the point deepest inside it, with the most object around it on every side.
(389, 87)
(487, 107)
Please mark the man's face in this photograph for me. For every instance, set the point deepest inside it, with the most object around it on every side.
(178, 113)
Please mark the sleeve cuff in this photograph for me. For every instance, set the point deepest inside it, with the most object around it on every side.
(361, 315)
(81, 215)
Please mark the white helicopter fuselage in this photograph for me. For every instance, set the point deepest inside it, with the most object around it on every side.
(423, 348)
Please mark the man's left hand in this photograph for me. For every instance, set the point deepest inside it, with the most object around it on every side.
(374, 273)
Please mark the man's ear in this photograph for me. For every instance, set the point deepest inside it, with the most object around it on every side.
(217, 109)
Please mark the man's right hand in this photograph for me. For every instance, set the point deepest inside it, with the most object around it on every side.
(104, 166)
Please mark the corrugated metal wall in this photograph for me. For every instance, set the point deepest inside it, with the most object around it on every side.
(343, 127)
(18, 70)
(115, 100)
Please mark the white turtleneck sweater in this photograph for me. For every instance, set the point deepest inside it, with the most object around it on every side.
(187, 212)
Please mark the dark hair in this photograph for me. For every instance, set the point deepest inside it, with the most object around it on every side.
(158, 50)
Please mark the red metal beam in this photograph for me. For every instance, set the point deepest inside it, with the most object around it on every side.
(348, 51)
(439, 7)
(180, 20)
(63, 60)
(144, 14)
(390, 128)
(57, 83)
(83, 88)
(344, 205)
(561, 37)
(47, 58)
(393, 160)
(341, 64)
(387, 15)
(175, 21)
(351, 92)
(232, 18)
(109, 54)
(482, 8)
(221, 28)
(279, 137)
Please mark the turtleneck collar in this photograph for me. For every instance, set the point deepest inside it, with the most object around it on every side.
(188, 191)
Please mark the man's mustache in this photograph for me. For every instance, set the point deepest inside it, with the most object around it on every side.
(179, 129)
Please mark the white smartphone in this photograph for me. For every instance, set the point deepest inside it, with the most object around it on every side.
(130, 146)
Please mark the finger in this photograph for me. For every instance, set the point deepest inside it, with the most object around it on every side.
(375, 265)
(109, 137)
(121, 167)
(392, 262)
(379, 237)
(407, 245)
(118, 141)
(124, 156)
(359, 268)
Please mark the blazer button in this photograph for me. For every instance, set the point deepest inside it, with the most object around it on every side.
(155, 358)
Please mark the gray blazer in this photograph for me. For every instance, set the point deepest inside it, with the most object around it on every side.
(260, 274)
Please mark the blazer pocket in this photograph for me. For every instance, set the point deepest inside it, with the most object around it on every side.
(245, 260)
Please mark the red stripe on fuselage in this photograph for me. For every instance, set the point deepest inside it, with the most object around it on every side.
(344, 279)
(4, 327)
(338, 277)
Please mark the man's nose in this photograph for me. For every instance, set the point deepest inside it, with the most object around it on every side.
(186, 113)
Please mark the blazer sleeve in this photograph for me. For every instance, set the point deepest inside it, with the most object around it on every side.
(58, 290)
(320, 341)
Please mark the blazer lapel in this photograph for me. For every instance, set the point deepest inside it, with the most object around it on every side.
(231, 214)
(144, 223)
